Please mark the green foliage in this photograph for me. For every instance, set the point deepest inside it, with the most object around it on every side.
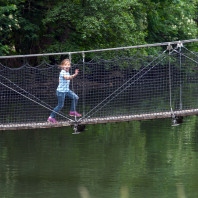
(56, 26)
(170, 20)
(91, 24)
(8, 24)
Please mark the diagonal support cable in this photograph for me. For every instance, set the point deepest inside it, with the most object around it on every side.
(190, 51)
(186, 56)
(45, 105)
(118, 89)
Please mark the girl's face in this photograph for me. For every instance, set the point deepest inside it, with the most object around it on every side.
(66, 66)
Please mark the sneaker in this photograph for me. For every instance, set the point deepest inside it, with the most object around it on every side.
(74, 113)
(52, 120)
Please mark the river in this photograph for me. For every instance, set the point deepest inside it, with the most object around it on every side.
(122, 160)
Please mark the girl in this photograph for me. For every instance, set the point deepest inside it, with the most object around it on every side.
(63, 91)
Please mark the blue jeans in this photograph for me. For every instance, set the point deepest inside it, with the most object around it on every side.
(61, 99)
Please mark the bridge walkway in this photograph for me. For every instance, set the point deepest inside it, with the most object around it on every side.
(101, 120)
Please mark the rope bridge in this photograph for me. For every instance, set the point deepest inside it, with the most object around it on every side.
(113, 85)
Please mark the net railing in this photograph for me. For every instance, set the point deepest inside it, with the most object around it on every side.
(110, 84)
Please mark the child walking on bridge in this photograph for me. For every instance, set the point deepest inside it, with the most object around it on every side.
(63, 91)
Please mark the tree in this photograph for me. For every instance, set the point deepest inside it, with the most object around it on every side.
(76, 25)
(170, 20)
(8, 24)
(28, 26)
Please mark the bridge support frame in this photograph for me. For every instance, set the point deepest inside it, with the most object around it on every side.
(78, 128)
(177, 120)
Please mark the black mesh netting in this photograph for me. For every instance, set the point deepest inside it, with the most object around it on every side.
(122, 85)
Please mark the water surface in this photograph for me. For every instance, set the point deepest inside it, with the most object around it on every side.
(124, 160)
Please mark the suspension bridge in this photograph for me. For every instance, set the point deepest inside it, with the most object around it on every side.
(114, 85)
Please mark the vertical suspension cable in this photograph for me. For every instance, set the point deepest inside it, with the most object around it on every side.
(70, 58)
(83, 84)
(123, 87)
(180, 92)
(170, 81)
(24, 61)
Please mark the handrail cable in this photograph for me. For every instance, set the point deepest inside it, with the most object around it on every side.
(100, 50)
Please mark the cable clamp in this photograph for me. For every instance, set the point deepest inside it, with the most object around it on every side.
(70, 57)
(83, 55)
(169, 47)
(179, 44)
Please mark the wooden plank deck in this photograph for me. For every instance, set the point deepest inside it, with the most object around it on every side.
(100, 120)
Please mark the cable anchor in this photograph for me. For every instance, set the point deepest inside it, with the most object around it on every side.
(176, 120)
(83, 55)
(169, 47)
(78, 128)
(179, 44)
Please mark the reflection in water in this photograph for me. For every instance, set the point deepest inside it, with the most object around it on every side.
(124, 160)
(84, 192)
(124, 192)
(180, 191)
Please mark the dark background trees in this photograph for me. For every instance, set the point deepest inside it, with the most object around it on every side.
(29, 26)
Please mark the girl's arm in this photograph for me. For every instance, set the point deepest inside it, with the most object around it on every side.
(72, 76)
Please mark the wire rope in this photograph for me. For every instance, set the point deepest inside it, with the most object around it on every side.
(45, 105)
(104, 100)
(125, 87)
(100, 50)
(186, 56)
(74, 100)
(190, 51)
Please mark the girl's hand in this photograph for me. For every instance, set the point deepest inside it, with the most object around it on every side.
(76, 71)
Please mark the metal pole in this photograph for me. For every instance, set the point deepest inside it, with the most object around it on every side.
(170, 82)
(180, 94)
(83, 54)
(70, 59)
